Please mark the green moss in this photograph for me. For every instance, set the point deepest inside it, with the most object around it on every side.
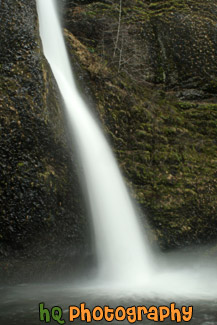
(166, 147)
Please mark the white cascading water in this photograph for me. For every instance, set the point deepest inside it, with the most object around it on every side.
(123, 251)
(125, 257)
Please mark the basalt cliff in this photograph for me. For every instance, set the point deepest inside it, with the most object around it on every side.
(149, 69)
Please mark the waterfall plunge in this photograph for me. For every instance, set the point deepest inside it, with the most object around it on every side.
(122, 249)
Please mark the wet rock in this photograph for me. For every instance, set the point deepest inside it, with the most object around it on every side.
(36, 166)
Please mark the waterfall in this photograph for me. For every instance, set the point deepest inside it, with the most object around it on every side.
(122, 248)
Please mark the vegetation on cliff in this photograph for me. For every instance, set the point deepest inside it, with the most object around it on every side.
(152, 67)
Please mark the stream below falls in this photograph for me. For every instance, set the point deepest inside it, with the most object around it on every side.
(20, 303)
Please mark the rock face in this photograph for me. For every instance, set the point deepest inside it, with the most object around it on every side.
(153, 70)
(41, 213)
(170, 42)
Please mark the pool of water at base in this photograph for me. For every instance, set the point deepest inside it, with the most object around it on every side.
(19, 305)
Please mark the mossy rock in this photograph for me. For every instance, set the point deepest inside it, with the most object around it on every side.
(166, 147)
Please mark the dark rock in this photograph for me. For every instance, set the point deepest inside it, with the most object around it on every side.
(40, 194)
